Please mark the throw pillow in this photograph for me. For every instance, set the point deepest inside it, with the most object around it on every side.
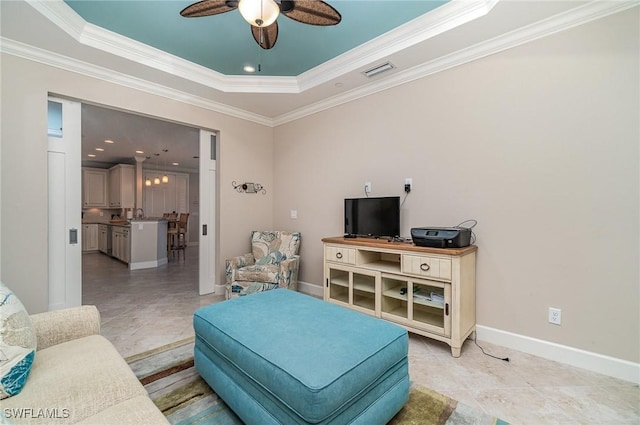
(17, 343)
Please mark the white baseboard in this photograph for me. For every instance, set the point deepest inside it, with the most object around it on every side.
(606, 365)
(310, 289)
(147, 264)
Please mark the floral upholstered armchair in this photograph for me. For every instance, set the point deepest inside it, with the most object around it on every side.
(272, 263)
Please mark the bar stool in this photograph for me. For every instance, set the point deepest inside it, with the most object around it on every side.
(177, 236)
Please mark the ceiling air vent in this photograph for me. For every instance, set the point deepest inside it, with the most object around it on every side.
(378, 69)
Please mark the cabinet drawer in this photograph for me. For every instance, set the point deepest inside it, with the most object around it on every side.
(338, 254)
(433, 267)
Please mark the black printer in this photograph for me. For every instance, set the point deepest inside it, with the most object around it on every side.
(441, 237)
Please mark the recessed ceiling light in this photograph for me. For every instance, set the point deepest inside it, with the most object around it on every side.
(100, 149)
(91, 155)
(175, 163)
(249, 68)
(338, 84)
(109, 141)
(140, 152)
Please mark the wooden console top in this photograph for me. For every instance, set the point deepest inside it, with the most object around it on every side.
(405, 246)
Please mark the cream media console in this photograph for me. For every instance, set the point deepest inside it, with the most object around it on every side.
(428, 291)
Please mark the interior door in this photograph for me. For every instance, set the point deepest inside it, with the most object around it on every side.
(208, 259)
(65, 204)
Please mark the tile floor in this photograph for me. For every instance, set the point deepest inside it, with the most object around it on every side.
(144, 309)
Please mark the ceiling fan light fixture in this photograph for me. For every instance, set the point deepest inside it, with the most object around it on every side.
(259, 13)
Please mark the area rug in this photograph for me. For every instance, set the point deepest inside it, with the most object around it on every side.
(169, 377)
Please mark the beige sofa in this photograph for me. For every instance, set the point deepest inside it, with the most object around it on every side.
(78, 377)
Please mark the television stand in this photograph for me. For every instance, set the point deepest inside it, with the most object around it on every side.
(428, 291)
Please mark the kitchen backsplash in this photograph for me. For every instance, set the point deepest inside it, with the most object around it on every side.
(93, 215)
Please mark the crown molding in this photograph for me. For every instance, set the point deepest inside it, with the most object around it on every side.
(62, 15)
(569, 19)
(437, 21)
(46, 57)
(543, 28)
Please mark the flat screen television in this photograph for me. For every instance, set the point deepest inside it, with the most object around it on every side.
(373, 217)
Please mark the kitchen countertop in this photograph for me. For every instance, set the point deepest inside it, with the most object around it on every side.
(108, 223)
(125, 223)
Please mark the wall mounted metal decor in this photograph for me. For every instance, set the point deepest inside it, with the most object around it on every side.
(249, 187)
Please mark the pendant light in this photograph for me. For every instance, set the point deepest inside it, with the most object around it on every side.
(165, 177)
(147, 181)
(156, 180)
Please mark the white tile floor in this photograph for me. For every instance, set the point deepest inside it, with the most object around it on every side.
(144, 309)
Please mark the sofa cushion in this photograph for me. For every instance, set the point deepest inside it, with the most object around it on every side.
(84, 376)
(17, 343)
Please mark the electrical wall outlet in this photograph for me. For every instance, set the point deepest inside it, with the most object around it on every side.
(408, 182)
(367, 187)
(555, 315)
(294, 214)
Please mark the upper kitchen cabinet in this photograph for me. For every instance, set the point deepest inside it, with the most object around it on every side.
(122, 186)
(94, 188)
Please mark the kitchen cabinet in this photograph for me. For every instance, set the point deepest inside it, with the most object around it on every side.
(94, 188)
(428, 291)
(122, 186)
(104, 238)
(120, 243)
(89, 237)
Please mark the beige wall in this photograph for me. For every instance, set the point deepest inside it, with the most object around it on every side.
(243, 148)
(538, 143)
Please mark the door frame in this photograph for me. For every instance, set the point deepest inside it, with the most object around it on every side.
(207, 262)
(64, 191)
(208, 211)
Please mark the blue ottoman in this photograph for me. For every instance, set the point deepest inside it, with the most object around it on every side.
(281, 357)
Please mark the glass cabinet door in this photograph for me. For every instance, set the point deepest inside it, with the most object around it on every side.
(418, 303)
(364, 292)
(394, 298)
(430, 304)
(351, 286)
(338, 284)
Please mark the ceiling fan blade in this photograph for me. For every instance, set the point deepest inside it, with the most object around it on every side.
(266, 37)
(208, 8)
(312, 12)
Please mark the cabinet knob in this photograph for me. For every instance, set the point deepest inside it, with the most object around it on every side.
(339, 255)
(424, 267)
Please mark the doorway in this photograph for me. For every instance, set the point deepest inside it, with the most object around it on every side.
(132, 132)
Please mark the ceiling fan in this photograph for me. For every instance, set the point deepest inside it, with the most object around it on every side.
(262, 14)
